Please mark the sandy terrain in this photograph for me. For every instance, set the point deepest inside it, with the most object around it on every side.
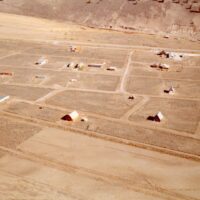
(45, 30)
(63, 166)
(175, 113)
(23, 92)
(105, 104)
(14, 132)
(116, 153)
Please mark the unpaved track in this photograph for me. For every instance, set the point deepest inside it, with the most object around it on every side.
(125, 75)
(135, 108)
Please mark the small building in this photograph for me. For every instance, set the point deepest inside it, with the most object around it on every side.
(6, 73)
(195, 7)
(111, 69)
(188, 5)
(4, 98)
(171, 55)
(164, 66)
(95, 65)
(131, 97)
(166, 36)
(74, 48)
(160, 66)
(163, 53)
(81, 66)
(42, 61)
(73, 116)
(73, 80)
(40, 76)
(170, 91)
(176, 56)
(158, 117)
(72, 65)
(155, 65)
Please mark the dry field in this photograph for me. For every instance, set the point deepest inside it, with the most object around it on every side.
(107, 104)
(116, 153)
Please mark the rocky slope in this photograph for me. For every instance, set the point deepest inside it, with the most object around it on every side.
(171, 16)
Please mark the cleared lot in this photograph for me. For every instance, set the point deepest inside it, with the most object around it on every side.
(24, 92)
(4, 52)
(35, 111)
(112, 105)
(20, 59)
(13, 132)
(84, 81)
(130, 131)
(176, 72)
(116, 57)
(59, 164)
(52, 78)
(143, 85)
(153, 136)
(29, 60)
(184, 89)
(181, 115)
(9, 45)
(150, 57)
(124, 130)
(23, 75)
(2, 154)
(119, 172)
(153, 86)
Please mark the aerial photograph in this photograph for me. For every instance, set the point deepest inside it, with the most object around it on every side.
(99, 99)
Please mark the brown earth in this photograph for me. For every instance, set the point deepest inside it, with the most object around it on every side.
(147, 15)
(116, 153)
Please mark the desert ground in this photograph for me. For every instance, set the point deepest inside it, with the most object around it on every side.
(116, 153)
(177, 17)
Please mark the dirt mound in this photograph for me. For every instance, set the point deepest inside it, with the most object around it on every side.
(171, 16)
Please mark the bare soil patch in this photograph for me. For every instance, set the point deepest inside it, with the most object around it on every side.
(24, 92)
(176, 113)
(113, 105)
(14, 132)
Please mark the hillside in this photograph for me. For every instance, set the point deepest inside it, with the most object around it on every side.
(177, 16)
